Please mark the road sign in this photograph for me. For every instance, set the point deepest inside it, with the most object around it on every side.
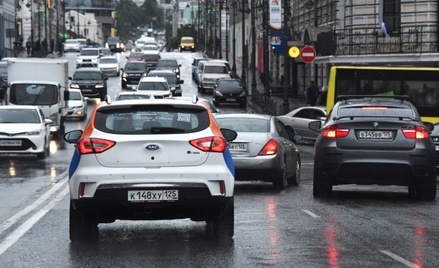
(294, 52)
(308, 54)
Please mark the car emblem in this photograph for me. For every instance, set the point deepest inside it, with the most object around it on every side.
(375, 124)
(152, 147)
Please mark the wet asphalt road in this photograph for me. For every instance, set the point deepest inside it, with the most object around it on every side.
(367, 226)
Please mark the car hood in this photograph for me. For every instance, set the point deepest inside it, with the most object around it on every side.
(74, 103)
(12, 129)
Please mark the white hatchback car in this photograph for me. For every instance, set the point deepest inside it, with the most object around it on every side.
(72, 45)
(24, 130)
(149, 160)
(77, 104)
(155, 86)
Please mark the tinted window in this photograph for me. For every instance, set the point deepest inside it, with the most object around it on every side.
(229, 83)
(135, 66)
(87, 76)
(379, 111)
(152, 119)
(155, 86)
(166, 63)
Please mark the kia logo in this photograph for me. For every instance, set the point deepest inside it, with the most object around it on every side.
(152, 147)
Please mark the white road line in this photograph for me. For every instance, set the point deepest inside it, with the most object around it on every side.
(310, 213)
(22, 229)
(400, 259)
(12, 220)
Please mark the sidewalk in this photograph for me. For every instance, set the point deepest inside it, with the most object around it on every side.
(257, 101)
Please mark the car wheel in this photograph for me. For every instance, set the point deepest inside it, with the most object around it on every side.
(82, 225)
(280, 181)
(221, 225)
(321, 188)
(295, 179)
(426, 190)
(45, 153)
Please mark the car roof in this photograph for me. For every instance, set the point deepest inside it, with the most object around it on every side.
(242, 115)
(89, 69)
(156, 101)
(153, 79)
(161, 72)
(108, 57)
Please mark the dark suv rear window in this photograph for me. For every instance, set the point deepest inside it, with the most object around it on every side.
(376, 111)
(151, 119)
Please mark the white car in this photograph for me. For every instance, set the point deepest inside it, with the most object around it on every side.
(77, 104)
(72, 45)
(154, 86)
(88, 57)
(109, 66)
(150, 49)
(24, 130)
(156, 159)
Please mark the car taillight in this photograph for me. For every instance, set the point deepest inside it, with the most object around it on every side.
(210, 144)
(417, 133)
(334, 131)
(270, 148)
(94, 145)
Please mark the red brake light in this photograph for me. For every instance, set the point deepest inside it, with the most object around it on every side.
(270, 148)
(210, 144)
(334, 131)
(374, 108)
(417, 133)
(94, 145)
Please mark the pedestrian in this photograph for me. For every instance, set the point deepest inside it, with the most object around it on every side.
(28, 47)
(52, 45)
(45, 45)
(264, 77)
(16, 50)
(60, 46)
(312, 93)
(37, 47)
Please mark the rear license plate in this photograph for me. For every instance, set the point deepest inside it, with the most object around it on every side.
(238, 147)
(375, 134)
(153, 196)
(10, 143)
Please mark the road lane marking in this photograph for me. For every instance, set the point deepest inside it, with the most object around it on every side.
(310, 213)
(14, 219)
(400, 259)
(22, 229)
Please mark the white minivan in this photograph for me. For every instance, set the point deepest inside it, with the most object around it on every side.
(210, 73)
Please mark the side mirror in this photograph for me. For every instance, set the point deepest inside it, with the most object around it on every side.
(181, 81)
(315, 125)
(229, 134)
(73, 136)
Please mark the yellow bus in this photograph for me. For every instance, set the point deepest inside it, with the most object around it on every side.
(421, 84)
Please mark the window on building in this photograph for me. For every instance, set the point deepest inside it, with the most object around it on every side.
(392, 16)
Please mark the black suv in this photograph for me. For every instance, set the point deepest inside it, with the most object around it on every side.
(133, 72)
(114, 44)
(173, 79)
(229, 90)
(91, 81)
(168, 64)
(374, 140)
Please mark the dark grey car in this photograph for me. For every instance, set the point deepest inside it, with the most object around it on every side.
(91, 81)
(229, 90)
(173, 79)
(374, 140)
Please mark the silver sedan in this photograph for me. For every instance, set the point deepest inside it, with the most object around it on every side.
(300, 118)
(264, 149)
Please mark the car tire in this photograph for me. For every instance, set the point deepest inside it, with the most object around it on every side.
(426, 190)
(82, 225)
(321, 188)
(45, 153)
(280, 181)
(221, 225)
(295, 179)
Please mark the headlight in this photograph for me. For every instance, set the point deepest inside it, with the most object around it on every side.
(94, 60)
(99, 86)
(124, 75)
(118, 45)
(219, 94)
(79, 60)
(72, 85)
(54, 118)
(33, 133)
(106, 45)
(242, 94)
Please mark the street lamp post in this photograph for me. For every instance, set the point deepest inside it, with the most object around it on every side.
(234, 39)
(253, 27)
(227, 31)
(286, 102)
(220, 30)
(244, 51)
(265, 12)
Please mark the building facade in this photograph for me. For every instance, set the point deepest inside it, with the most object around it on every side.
(8, 28)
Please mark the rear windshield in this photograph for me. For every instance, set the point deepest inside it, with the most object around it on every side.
(151, 119)
(108, 60)
(153, 86)
(376, 111)
(245, 124)
(90, 52)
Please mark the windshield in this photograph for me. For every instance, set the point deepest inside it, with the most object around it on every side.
(74, 95)
(153, 86)
(215, 70)
(3, 69)
(151, 57)
(167, 63)
(135, 66)
(89, 52)
(108, 61)
(150, 48)
(34, 94)
(19, 116)
(230, 84)
(87, 76)
(136, 55)
(71, 42)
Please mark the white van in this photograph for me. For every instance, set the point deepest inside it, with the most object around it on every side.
(211, 71)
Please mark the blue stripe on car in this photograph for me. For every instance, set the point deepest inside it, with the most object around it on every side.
(229, 161)
(74, 163)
